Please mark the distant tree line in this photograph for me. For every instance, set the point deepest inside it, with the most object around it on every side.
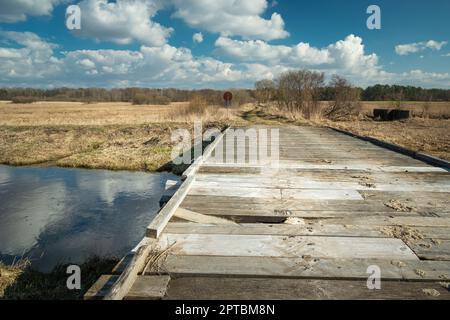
(403, 93)
(133, 95)
(264, 90)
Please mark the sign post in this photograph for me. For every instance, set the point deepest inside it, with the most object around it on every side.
(227, 96)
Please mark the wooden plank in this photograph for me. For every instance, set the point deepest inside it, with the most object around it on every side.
(308, 178)
(279, 216)
(280, 209)
(374, 202)
(101, 287)
(276, 229)
(285, 246)
(321, 194)
(327, 185)
(165, 214)
(148, 288)
(392, 221)
(200, 218)
(193, 168)
(241, 192)
(431, 249)
(207, 288)
(125, 281)
(306, 267)
(331, 176)
(120, 267)
(293, 167)
(273, 193)
(435, 232)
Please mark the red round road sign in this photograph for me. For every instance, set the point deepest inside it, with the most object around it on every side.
(227, 96)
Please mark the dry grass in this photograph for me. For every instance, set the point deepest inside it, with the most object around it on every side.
(110, 113)
(20, 282)
(10, 274)
(77, 113)
(122, 136)
(430, 136)
(434, 110)
(117, 136)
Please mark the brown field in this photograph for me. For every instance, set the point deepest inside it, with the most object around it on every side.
(435, 110)
(109, 113)
(122, 136)
(430, 136)
(428, 131)
(117, 136)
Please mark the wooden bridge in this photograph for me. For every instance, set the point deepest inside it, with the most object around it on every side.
(332, 211)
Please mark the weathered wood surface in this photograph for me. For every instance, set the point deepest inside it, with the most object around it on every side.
(207, 288)
(305, 227)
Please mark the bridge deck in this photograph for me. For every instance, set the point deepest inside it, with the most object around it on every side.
(308, 229)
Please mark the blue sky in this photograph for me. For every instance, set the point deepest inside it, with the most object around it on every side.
(149, 43)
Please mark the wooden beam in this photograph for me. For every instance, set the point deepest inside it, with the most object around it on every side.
(192, 216)
(165, 214)
(126, 280)
(193, 168)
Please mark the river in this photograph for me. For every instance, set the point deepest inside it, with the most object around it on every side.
(58, 215)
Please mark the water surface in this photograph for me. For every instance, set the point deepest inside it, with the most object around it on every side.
(58, 215)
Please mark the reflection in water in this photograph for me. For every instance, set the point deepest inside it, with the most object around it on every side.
(55, 215)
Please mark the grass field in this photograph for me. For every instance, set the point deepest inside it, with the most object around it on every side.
(117, 136)
(122, 136)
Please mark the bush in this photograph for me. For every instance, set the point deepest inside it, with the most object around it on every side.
(345, 102)
(299, 92)
(22, 99)
(197, 106)
(140, 99)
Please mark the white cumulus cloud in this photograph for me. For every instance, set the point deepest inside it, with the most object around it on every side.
(18, 10)
(197, 37)
(28, 60)
(405, 49)
(231, 18)
(122, 22)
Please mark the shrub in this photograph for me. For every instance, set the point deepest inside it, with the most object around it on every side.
(345, 102)
(140, 99)
(197, 106)
(21, 99)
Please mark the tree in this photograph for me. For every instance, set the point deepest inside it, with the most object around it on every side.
(299, 91)
(345, 100)
(265, 90)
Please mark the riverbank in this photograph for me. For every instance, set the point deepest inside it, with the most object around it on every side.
(20, 282)
(114, 136)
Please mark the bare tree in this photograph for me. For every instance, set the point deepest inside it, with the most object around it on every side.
(299, 91)
(345, 102)
(265, 90)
